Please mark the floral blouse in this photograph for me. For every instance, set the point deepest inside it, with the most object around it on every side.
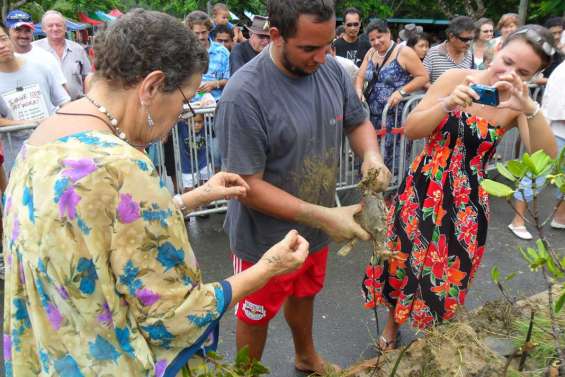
(100, 279)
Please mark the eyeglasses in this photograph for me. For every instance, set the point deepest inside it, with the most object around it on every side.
(187, 110)
(464, 39)
(538, 40)
(352, 24)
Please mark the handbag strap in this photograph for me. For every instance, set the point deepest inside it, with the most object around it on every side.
(378, 67)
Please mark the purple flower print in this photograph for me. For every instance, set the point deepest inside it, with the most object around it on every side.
(15, 229)
(21, 271)
(7, 347)
(160, 368)
(77, 169)
(63, 292)
(147, 296)
(68, 203)
(128, 209)
(54, 316)
(106, 316)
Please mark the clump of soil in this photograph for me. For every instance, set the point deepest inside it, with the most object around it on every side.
(457, 348)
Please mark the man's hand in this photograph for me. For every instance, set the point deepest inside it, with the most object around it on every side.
(374, 161)
(338, 223)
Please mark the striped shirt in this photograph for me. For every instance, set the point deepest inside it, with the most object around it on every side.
(437, 61)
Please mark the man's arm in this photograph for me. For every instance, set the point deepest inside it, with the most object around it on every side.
(337, 222)
(363, 141)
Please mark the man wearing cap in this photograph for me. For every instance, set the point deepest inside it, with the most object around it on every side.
(258, 39)
(29, 92)
(350, 45)
(71, 56)
(21, 27)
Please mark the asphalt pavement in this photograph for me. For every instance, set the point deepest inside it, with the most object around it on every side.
(345, 332)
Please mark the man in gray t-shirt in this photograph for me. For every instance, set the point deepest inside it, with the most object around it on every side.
(279, 123)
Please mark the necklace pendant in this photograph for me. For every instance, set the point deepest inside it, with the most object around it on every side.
(114, 122)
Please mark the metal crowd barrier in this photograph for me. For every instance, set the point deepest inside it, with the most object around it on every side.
(200, 155)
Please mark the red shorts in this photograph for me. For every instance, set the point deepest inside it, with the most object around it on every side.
(260, 307)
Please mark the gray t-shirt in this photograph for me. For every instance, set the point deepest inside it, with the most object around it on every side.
(291, 130)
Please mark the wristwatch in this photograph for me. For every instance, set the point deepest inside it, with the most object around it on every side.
(402, 92)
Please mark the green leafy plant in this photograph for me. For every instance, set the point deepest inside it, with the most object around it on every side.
(543, 257)
(214, 365)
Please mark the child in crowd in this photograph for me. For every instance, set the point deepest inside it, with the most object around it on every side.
(221, 16)
(194, 160)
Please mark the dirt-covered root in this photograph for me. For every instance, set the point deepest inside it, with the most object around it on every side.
(452, 349)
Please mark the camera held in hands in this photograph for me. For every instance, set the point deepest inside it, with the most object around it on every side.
(488, 94)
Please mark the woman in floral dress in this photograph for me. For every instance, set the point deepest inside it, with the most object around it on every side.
(437, 226)
(101, 279)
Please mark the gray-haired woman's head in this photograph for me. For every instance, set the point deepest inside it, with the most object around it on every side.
(143, 41)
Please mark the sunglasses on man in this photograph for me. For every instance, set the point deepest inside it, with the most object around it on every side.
(464, 39)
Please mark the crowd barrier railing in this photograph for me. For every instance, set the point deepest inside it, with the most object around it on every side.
(198, 151)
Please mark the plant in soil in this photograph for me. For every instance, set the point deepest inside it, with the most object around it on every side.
(542, 258)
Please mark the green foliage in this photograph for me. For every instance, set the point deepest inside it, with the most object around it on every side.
(541, 257)
(214, 366)
(496, 189)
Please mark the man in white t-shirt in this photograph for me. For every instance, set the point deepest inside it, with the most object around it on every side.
(553, 106)
(29, 92)
(21, 27)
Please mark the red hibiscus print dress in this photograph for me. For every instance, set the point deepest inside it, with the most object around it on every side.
(437, 225)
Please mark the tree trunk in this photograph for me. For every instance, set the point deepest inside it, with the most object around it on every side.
(523, 11)
(4, 10)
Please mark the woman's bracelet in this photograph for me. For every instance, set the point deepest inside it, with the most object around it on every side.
(177, 199)
(534, 113)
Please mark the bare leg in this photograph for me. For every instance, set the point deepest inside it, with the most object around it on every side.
(254, 337)
(299, 312)
(521, 207)
(560, 214)
(387, 339)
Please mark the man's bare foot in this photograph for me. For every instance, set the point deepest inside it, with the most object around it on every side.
(317, 365)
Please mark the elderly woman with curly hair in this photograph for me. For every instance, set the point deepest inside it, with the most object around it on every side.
(101, 278)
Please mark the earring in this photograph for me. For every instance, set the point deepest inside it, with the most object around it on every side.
(150, 122)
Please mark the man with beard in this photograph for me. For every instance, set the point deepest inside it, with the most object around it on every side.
(286, 146)
(21, 27)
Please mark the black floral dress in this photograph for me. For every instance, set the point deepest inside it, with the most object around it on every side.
(437, 225)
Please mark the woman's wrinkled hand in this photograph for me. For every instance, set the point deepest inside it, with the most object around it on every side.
(287, 255)
(224, 185)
